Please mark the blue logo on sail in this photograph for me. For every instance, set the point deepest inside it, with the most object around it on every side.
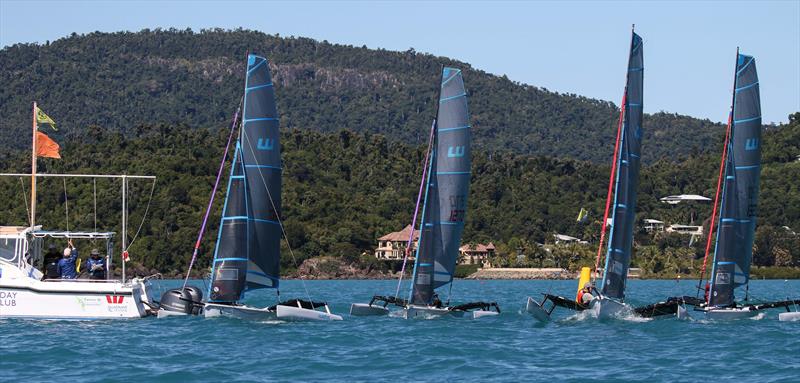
(751, 144)
(455, 151)
(265, 144)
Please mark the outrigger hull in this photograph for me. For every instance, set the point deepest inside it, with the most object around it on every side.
(726, 314)
(789, 317)
(366, 309)
(607, 308)
(280, 312)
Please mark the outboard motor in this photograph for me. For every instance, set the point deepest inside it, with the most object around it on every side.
(197, 298)
(184, 301)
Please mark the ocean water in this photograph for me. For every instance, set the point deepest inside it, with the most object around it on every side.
(509, 347)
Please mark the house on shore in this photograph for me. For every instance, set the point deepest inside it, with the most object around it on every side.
(476, 254)
(392, 246)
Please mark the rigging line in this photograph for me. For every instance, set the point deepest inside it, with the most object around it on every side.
(213, 194)
(144, 216)
(25, 198)
(610, 182)
(94, 182)
(66, 202)
(416, 209)
(277, 216)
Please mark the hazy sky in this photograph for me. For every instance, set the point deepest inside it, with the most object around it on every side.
(570, 47)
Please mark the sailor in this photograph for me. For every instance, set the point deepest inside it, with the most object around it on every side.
(436, 301)
(66, 265)
(51, 259)
(96, 265)
(585, 295)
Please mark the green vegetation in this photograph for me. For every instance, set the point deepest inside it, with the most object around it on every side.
(155, 102)
(119, 81)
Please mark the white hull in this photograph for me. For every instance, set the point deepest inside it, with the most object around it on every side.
(282, 312)
(426, 312)
(789, 317)
(301, 314)
(607, 308)
(538, 312)
(23, 296)
(724, 314)
(365, 309)
(212, 310)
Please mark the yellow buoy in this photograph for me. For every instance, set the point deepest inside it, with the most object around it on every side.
(586, 276)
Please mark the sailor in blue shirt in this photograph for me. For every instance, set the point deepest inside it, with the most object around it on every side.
(96, 266)
(66, 265)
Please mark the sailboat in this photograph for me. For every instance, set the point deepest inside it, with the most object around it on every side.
(740, 169)
(446, 177)
(609, 299)
(247, 253)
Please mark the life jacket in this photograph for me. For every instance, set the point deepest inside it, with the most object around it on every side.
(580, 297)
(51, 270)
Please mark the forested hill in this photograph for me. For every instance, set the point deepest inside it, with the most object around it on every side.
(121, 80)
(343, 190)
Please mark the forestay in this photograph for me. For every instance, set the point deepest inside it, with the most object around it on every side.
(446, 193)
(248, 247)
(737, 221)
(620, 243)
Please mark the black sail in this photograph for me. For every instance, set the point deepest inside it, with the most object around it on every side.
(445, 204)
(737, 220)
(248, 245)
(620, 242)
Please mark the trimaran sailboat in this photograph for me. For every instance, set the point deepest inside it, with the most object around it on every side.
(740, 169)
(247, 253)
(445, 181)
(624, 180)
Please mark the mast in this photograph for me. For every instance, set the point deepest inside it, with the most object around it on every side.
(33, 170)
(620, 242)
(733, 251)
(427, 180)
(719, 178)
(124, 221)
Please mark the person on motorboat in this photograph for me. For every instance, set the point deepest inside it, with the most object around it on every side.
(51, 259)
(585, 295)
(96, 265)
(66, 265)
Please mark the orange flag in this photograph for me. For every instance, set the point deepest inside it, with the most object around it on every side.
(46, 147)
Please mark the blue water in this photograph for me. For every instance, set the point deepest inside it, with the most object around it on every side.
(509, 347)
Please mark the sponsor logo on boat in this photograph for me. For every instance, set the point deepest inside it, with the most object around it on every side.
(8, 298)
(115, 304)
(88, 301)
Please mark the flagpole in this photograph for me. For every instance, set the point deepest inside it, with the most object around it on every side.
(33, 170)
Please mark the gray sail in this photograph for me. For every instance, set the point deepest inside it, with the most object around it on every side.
(733, 252)
(247, 254)
(620, 242)
(261, 156)
(445, 204)
(229, 268)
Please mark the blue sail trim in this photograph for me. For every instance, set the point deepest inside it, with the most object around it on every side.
(746, 120)
(264, 167)
(452, 129)
(230, 259)
(735, 220)
(747, 87)
(457, 71)
(258, 87)
(450, 223)
(751, 167)
(452, 173)
(452, 97)
(257, 66)
(745, 65)
(636, 69)
(233, 218)
(246, 120)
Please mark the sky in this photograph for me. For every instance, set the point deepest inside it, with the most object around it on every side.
(565, 46)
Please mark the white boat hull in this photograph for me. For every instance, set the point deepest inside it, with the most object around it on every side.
(427, 312)
(483, 313)
(789, 317)
(212, 310)
(538, 312)
(365, 309)
(301, 314)
(607, 308)
(22, 296)
(724, 314)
